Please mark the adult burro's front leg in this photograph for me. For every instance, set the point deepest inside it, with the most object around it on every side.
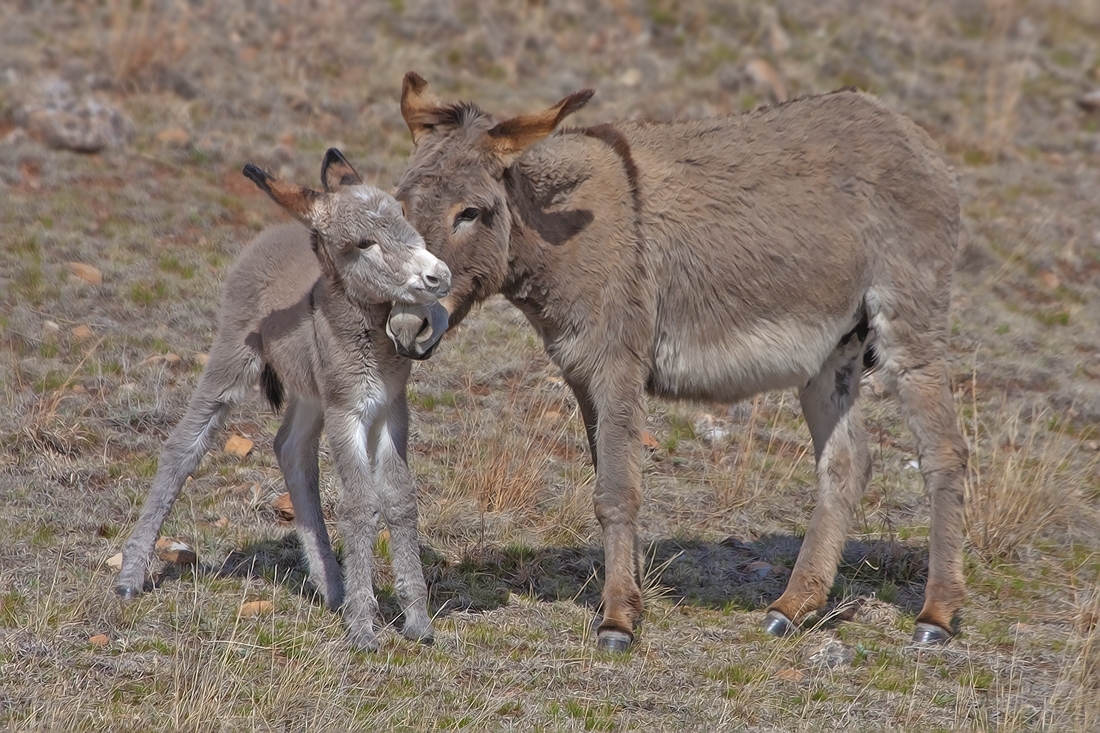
(357, 516)
(395, 487)
(617, 498)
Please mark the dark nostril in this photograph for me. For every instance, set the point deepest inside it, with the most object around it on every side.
(431, 280)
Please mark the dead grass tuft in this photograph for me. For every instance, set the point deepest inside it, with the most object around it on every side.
(145, 40)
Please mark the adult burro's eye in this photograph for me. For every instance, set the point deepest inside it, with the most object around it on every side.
(365, 244)
(468, 214)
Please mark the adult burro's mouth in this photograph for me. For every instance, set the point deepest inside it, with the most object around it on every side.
(416, 329)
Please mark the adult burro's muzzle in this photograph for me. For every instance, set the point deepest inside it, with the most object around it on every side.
(416, 329)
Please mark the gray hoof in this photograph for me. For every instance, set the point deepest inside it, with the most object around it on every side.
(613, 641)
(127, 592)
(930, 635)
(425, 636)
(777, 624)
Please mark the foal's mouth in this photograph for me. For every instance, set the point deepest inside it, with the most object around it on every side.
(417, 329)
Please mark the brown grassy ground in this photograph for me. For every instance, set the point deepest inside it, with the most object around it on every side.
(509, 537)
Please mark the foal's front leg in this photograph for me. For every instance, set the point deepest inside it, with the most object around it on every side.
(357, 516)
(397, 491)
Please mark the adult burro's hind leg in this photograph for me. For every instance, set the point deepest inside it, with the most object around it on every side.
(829, 402)
(296, 447)
(224, 381)
(357, 515)
(394, 485)
(926, 399)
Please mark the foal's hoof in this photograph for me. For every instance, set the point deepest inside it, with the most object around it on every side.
(930, 635)
(777, 624)
(613, 641)
(127, 592)
(425, 636)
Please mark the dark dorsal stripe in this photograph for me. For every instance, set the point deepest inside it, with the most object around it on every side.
(607, 133)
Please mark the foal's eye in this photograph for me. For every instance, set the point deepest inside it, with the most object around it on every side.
(468, 214)
(366, 244)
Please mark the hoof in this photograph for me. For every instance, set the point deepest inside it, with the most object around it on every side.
(930, 635)
(127, 592)
(777, 624)
(613, 641)
(425, 636)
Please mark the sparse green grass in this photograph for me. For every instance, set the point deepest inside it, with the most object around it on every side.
(511, 547)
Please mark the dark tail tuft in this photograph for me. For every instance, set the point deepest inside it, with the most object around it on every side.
(272, 388)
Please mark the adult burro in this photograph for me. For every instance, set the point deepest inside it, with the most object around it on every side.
(714, 259)
(304, 313)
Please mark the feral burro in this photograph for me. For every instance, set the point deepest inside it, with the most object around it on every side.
(714, 259)
(304, 313)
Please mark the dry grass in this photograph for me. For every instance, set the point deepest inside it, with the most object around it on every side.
(511, 547)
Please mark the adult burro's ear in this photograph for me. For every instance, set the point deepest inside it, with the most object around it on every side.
(418, 106)
(298, 200)
(512, 137)
(336, 171)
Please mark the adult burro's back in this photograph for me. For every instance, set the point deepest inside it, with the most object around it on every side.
(304, 313)
(714, 259)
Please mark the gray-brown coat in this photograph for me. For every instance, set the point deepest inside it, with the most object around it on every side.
(714, 259)
(304, 313)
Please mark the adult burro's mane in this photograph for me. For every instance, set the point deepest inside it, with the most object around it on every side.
(458, 114)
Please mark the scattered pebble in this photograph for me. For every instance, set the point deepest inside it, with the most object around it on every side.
(87, 273)
(790, 675)
(81, 332)
(174, 137)
(114, 562)
(649, 441)
(284, 508)
(255, 608)
(238, 446)
(831, 653)
(175, 551)
(1090, 101)
(99, 640)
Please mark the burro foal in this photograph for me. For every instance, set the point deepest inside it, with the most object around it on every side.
(304, 313)
(714, 259)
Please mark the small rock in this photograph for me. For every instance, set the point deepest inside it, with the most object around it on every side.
(56, 115)
(238, 446)
(649, 441)
(99, 640)
(175, 551)
(1092, 445)
(284, 508)
(759, 570)
(81, 332)
(201, 359)
(1090, 101)
(175, 137)
(87, 273)
(114, 562)
(631, 78)
(51, 326)
(298, 101)
(222, 522)
(831, 653)
(255, 608)
(790, 675)
(1049, 279)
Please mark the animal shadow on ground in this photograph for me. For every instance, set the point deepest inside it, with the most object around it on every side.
(729, 574)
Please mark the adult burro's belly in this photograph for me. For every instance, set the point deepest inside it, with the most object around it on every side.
(727, 366)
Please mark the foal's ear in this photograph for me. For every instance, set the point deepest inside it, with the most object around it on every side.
(336, 171)
(511, 137)
(419, 107)
(298, 200)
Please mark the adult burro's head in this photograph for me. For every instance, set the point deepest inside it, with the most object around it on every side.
(366, 246)
(454, 191)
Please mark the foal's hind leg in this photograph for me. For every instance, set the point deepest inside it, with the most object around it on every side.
(224, 381)
(296, 447)
(829, 402)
